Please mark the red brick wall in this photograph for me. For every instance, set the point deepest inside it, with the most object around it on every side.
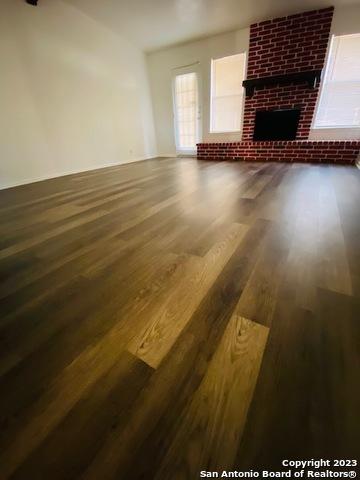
(289, 44)
(284, 151)
(286, 45)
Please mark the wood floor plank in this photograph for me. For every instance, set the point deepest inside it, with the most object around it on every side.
(259, 298)
(333, 272)
(346, 186)
(255, 189)
(302, 262)
(279, 419)
(210, 428)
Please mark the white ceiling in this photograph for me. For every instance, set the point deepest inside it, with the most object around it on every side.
(154, 24)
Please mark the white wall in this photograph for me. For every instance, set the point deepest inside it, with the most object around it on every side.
(161, 65)
(73, 94)
(345, 21)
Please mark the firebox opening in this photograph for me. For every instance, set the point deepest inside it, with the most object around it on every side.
(276, 124)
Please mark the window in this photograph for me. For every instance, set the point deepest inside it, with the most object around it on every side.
(186, 111)
(339, 104)
(227, 75)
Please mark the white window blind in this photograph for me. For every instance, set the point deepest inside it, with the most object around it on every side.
(227, 75)
(339, 104)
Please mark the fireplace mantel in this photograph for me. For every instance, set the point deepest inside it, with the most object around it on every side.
(311, 77)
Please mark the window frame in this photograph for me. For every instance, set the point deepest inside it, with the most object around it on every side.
(329, 64)
(213, 60)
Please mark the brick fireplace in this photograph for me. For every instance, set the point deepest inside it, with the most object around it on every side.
(286, 57)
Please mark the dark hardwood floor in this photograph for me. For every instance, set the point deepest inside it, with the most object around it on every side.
(173, 315)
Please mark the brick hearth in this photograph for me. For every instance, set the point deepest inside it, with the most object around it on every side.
(282, 151)
(296, 43)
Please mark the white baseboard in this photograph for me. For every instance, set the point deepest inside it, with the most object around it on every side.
(175, 155)
(72, 172)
